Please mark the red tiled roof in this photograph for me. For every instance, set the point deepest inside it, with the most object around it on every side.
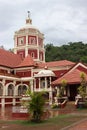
(28, 61)
(72, 77)
(60, 73)
(56, 63)
(9, 59)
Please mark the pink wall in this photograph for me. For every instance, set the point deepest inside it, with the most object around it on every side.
(21, 53)
(30, 51)
(24, 74)
(32, 40)
(24, 41)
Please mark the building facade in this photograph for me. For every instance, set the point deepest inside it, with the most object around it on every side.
(26, 68)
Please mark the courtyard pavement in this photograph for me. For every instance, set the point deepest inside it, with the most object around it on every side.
(81, 125)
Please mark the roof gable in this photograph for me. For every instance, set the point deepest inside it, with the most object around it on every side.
(28, 61)
(72, 77)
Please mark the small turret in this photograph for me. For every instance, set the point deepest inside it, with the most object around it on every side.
(28, 20)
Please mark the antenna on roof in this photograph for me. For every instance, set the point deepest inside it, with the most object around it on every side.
(28, 14)
(28, 20)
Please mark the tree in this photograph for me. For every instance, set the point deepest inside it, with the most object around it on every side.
(62, 88)
(36, 106)
(73, 51)
(82, 87)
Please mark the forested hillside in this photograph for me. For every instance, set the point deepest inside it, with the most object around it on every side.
(76, 52)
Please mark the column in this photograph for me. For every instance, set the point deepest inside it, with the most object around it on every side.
(50, 82)
(14, 101)
(44, 55)
(3, 94)
(14, 82)
(37, 49)
(58, 90)
(26, 51)
(15, 45)
(50, 97)
(3, 102)
(31, 85)
(26, 40)
(39, 83)
(34, 84)
(45, 82)
(26, 46)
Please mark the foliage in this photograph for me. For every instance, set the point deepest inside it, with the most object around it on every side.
(82, 87)
(27, 95)
(76, 51)
(36, 106)
(62, 88)
(54, 106)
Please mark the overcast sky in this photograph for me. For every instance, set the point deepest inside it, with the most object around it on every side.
(61, 21)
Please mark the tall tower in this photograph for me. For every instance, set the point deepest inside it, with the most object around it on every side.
(29, 40)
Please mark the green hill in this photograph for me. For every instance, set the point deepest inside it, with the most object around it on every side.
(76, 51)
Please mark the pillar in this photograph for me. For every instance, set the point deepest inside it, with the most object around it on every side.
(15, 93)
(50, 82)
(39, 83)
(31, 85)
(37, 49)
(14, 101)
(26, 51)
(3, 87)
(3, 102)
(50, 98)
(34, 84)
(14, 82)
(45, 82)
(58, 89)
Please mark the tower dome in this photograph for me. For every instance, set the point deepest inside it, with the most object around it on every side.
(29, 40)
(28, 24)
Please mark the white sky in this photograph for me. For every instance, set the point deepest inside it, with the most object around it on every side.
(61, 21)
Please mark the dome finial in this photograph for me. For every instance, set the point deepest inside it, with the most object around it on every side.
(28, 20)
(28, 14)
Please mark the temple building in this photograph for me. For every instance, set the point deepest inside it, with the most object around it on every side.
(26, 69)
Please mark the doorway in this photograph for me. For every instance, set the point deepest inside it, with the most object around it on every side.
(73, 92)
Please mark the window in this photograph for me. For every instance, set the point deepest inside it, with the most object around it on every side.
(21, 54)
(32, 40)
(32, 54)
(21, 90)
(10, 90)
(20, 40)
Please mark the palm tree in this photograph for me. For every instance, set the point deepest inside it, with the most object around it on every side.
(36, 106)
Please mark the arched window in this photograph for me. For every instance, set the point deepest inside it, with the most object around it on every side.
(21, 90)
(10, 90)
(1, 89)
